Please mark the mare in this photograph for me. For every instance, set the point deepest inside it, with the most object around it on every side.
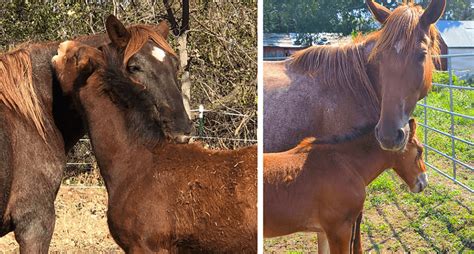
(162, 197)
(328, 90)
(319, 186)
(38, 124)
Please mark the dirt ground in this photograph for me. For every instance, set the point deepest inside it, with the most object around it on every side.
(81, 223)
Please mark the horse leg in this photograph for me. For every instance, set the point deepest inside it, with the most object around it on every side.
(339, 238)
(323, 245)
(357, 241)
(34, 230)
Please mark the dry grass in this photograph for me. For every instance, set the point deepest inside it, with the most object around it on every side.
(81, 223)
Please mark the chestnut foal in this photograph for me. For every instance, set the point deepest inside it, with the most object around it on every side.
(164, 197)
(319, 186)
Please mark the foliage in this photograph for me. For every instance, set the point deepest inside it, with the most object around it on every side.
(338, 16)
(309, 16)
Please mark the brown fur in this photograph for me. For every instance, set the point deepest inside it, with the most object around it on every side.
(172, 197)
(17, 91)
(327, 194)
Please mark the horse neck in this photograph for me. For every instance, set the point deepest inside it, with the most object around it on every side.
(364, 157)
(113, 147)
(372, 67)
(57, 106)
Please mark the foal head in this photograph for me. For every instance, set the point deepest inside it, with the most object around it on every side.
(148, 60)
(403, 52)
(409, 163)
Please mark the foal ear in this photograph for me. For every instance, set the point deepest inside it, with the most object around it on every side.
(117, 32)
(379, 11)
(433, 12)
(412, 124)
(163, 29)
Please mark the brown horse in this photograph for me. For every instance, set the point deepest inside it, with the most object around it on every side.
(165, 198)
(328, 90)
(38, 125)
(319, 186)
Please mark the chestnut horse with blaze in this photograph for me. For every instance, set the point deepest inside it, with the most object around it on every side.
(328, 90)
(319, 186)
(162, 196)
(39, 124)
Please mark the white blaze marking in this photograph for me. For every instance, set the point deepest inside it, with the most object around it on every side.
(399, 46)
(158, 54)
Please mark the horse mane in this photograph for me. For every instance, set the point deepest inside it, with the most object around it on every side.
(139, 35)
(137, 104)
(16, 88)
(337, 65)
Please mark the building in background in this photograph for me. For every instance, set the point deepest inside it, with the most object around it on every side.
(458, 37)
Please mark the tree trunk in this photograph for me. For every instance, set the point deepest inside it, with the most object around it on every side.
(185, 78)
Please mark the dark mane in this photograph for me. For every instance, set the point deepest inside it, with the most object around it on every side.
(131, 97)
(355, 133)
(307, 144)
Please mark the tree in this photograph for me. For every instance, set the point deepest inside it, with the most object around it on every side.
(311, 16)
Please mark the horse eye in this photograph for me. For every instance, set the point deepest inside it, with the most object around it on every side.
(133, 68)
(421, 56)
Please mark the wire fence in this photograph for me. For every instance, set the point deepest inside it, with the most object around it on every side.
(200, 133)
(455, 161)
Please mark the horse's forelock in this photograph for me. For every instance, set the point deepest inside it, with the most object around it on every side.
(139, 35)
(400, 31)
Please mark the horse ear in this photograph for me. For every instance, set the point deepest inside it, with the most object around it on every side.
(434, 11)
(412, 124)
(380, 12)
(89, 57)
(163, 29)
(117, 32)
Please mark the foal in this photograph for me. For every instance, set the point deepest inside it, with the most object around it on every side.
(165, 197)
(319, 186)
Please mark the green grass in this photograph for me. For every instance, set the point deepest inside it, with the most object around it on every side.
(463, 103)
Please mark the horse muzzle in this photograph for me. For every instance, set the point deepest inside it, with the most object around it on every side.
(421, 183)
(393, 141)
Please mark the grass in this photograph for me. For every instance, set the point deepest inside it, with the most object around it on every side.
(438, 220)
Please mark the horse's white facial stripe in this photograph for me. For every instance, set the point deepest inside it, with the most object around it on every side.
(399, 46)
(158, 54)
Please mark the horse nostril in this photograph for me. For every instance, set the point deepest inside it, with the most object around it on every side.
(400, 135)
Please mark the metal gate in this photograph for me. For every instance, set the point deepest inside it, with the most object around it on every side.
(459, 167)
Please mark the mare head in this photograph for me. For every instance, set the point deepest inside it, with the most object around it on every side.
(403, 51)
(148, 60)
(409, 163)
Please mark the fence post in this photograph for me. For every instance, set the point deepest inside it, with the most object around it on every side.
(201, 120)
(451, 109)
(425, 127)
